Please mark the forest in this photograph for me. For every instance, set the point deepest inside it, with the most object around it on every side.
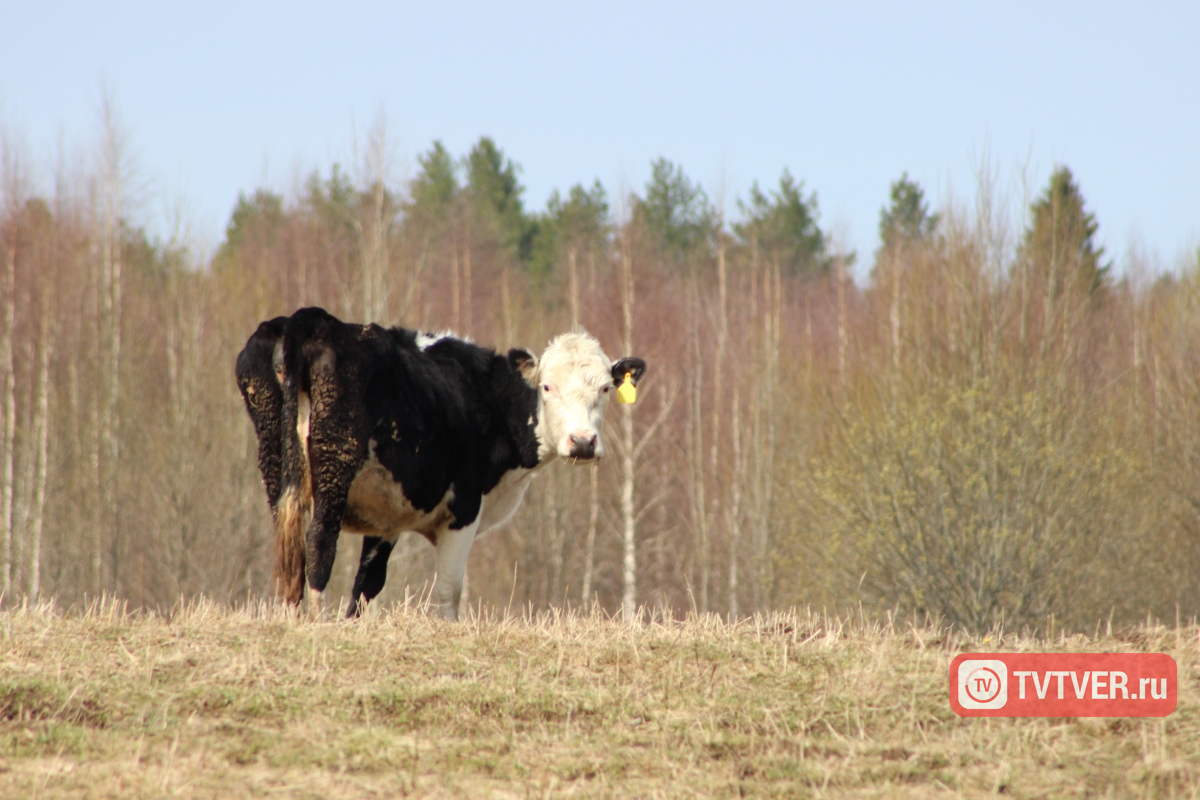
(983, 421)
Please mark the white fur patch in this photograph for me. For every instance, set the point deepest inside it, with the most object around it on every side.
(427, 340)
(303, 413)
(577, 374)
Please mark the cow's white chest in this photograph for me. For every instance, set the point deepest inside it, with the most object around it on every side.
(502, 502)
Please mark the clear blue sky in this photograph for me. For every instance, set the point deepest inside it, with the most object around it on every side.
(222, 97)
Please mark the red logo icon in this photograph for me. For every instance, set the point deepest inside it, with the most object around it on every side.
(1063, 685)
(987, 685)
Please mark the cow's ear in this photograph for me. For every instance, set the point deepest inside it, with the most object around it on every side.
(630, 365)
(525, 363)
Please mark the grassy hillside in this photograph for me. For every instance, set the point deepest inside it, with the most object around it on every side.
(209, 702)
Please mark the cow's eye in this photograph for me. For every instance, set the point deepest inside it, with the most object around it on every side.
(546, 388)
(605, 389)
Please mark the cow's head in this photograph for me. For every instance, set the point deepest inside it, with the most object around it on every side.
(574, 380)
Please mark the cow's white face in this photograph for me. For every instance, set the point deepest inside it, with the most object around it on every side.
(574, 380)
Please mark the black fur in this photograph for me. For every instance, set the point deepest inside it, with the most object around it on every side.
(257, 380)
(631, 365)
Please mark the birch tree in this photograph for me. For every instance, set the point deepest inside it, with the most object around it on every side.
(114, 171)
(14, 184)
(41, 426)
(373, 224)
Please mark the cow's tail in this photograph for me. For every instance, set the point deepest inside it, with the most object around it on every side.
(290, 522)
(295, 501)
(295, 505)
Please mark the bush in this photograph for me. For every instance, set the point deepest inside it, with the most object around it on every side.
(977, 503)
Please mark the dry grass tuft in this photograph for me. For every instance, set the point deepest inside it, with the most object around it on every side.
(212, 702)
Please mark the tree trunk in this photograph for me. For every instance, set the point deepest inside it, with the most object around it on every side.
(628, 519)
(589, 556)
(42, 425)
(573, 288)
(767, 428)
(696, 458)
(455, 292)
(554, 539)
(629, 533)
(735, 502)
(841, 323)
(9, 378)
(373, 241)
(470, 312)
(107, 208)
(510, 332)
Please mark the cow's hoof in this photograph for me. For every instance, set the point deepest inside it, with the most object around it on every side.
(314, 605)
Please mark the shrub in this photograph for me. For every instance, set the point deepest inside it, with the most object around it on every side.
(977, 503)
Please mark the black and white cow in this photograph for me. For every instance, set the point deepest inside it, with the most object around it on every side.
(379, 431)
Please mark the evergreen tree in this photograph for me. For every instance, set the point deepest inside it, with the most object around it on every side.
(495, 196)
(907, 216)
(1060, 239)
(333, 204)
(675, 211)
(785, 225)
(578, 223)
(255, 223)
(433, 197)
(433, 190)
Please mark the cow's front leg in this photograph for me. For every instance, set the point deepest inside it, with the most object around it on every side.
(453, 547)
(372, 573)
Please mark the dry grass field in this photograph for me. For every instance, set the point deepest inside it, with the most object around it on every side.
(211, 702)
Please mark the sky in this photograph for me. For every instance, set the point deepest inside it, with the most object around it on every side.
(220, 98)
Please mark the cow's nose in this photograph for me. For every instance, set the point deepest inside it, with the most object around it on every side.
(582, 445)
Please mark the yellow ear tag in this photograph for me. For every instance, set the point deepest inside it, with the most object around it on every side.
(626, 392)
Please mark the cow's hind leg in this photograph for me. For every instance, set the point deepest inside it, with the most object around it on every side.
(372, 573)
(260, 378)
(337, 445)
(331, 487)
(262, 390)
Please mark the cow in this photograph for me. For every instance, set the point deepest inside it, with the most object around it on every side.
(377, 431)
